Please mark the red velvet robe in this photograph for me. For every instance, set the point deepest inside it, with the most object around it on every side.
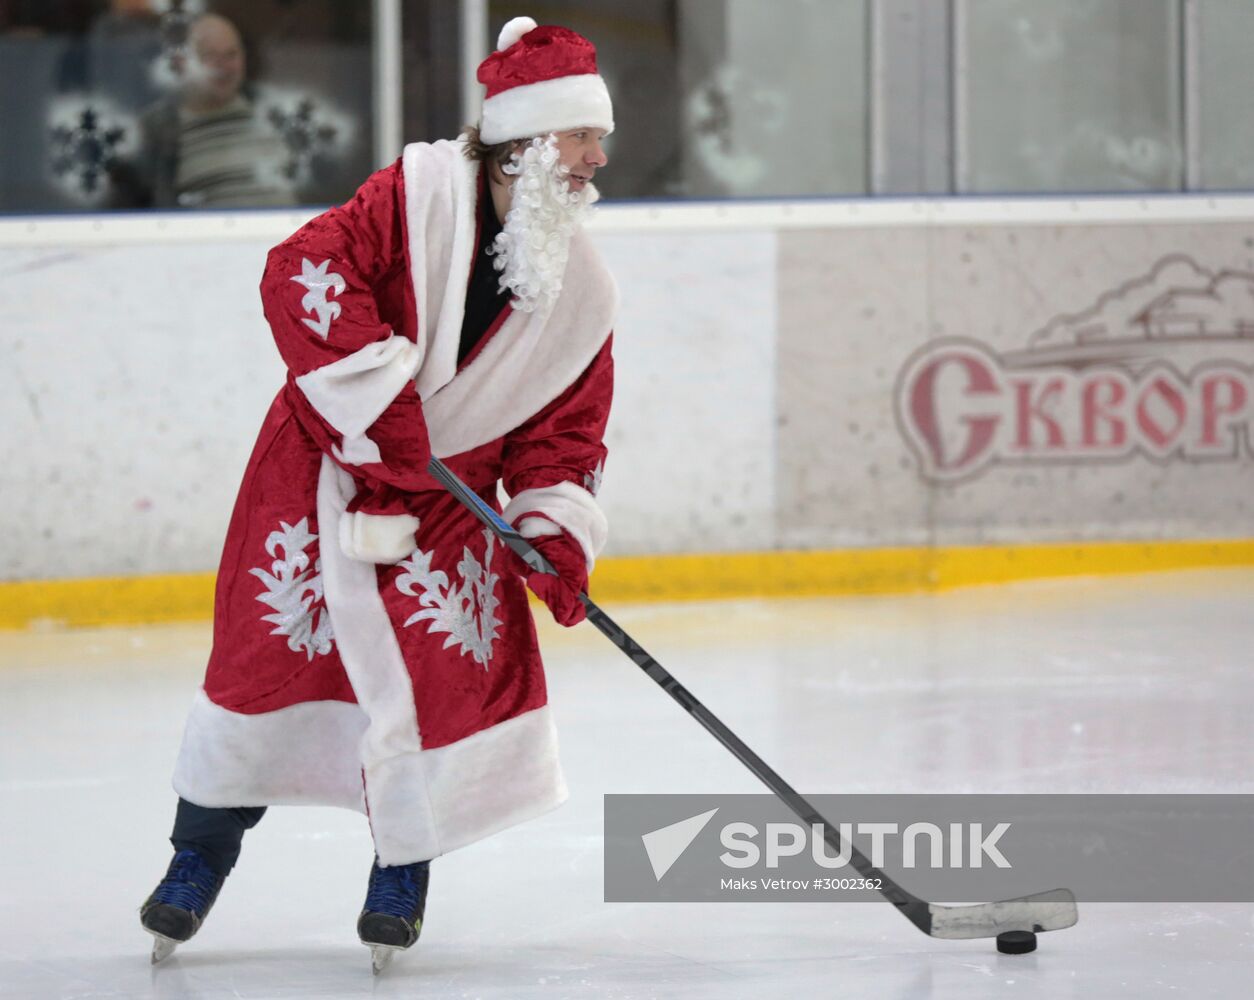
(371, 650)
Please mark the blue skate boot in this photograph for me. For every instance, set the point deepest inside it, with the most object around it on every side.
(180, 903)
(391, 920)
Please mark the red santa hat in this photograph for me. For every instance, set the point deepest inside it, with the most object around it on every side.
(540, 80)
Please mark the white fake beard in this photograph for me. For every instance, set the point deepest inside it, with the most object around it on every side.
(532, 249)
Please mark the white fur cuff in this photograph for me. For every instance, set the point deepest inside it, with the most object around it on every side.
(537, 527)
(351, 394)
(569, 506)
(377, 538)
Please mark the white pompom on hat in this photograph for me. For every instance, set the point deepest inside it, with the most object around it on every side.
(514, 30)
(541, 79)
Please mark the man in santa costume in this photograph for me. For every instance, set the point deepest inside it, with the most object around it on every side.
(373, 647)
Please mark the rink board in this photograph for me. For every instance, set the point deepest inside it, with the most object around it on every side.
(799, 384)
(189, 596)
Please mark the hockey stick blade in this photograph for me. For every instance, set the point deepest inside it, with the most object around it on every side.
(1045, 911)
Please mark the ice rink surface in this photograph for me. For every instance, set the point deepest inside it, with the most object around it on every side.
(1083, 685)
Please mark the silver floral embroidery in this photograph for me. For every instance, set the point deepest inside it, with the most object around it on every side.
(467, 612)
(295, 592)
(319, 282)
(592, 480)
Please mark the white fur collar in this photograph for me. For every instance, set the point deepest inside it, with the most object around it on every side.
(532, 358)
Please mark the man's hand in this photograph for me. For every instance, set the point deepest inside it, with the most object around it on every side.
(560, 593)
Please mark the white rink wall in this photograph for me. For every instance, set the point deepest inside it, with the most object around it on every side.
(790, 375)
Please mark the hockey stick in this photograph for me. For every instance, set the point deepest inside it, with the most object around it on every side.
(1042, 911)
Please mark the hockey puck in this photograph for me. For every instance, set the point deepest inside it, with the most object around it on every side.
(1016, 942)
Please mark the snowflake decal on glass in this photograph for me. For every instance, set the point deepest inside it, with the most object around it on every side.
(305, 135)
(467, 612)
(176, 21)
(711, 112)
(84, 150)
(295, 592)
(171, 67)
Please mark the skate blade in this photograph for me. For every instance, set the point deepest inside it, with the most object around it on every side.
(381, 956)
(162, 947)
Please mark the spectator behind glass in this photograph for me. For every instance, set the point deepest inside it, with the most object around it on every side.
(204, 147)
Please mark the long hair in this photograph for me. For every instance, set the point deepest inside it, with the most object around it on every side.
(498, 152)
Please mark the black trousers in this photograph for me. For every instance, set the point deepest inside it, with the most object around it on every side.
(217, 834)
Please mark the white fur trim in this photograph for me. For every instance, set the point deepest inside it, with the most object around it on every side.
(556, 105)
(514, 30)
(533, 358)
(350, 394)
(309, 755)
(304, 754)
(416, 808)
(377, 538)
(357, 451)
(537, 527)
(478, 786)
(376, 669)
(570, 506)
(441, 188)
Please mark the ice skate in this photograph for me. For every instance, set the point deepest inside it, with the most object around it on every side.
(391, 919)
(180, 903)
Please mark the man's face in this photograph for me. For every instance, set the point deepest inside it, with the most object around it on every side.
(582, 152)
(218, 50)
